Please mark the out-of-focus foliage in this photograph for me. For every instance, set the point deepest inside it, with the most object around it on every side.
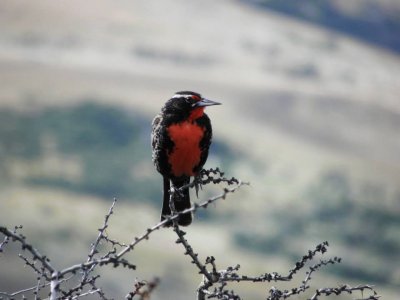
(109, 147)
(333, 211)
(103, 141)
(368, 20)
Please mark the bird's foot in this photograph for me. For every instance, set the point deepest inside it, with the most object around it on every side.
(198, 183)
(176, 193)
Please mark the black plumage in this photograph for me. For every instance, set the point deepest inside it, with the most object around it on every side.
(174, 133)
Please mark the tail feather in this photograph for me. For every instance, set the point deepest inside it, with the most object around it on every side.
(166, 210)
(181, 201)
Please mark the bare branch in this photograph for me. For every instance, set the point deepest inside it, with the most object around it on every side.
(215, 281)
(143, 289)
(28, 247)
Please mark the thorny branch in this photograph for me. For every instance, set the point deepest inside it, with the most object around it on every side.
(56, 283)
(220, 279)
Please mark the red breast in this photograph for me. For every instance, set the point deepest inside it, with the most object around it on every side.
(186, 153)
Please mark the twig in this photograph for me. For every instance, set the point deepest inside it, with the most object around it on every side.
(346, 289)
(7, 238)
(214, 284)
(28, 247)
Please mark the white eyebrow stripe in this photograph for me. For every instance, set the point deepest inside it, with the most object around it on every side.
(182, 96)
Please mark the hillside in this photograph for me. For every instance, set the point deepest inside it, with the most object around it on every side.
(372, 21)
(80, 82)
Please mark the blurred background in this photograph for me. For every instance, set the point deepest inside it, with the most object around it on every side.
(310, 117)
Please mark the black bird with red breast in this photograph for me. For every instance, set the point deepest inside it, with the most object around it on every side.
(181, 136)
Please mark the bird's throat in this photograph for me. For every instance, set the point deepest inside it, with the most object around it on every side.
(196, 113)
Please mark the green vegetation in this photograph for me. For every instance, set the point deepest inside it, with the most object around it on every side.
(109, 147)
(106, 142)
(19, 136)
(335, 214)
(382, 29)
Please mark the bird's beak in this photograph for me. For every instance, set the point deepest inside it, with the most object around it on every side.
(205, 102)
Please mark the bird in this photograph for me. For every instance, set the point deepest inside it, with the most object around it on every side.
(180, 139)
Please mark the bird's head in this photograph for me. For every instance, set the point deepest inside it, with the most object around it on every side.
(187, 105)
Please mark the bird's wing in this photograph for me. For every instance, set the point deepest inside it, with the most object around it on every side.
(155, 125)
(205, 142)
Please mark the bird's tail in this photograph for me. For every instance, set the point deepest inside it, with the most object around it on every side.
(181, 201)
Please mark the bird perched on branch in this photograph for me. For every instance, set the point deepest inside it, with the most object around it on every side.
(181, 136)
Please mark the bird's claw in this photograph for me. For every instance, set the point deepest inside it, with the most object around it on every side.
(198, 183)
(176, 193)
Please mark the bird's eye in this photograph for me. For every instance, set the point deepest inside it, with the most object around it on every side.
(196, 98)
